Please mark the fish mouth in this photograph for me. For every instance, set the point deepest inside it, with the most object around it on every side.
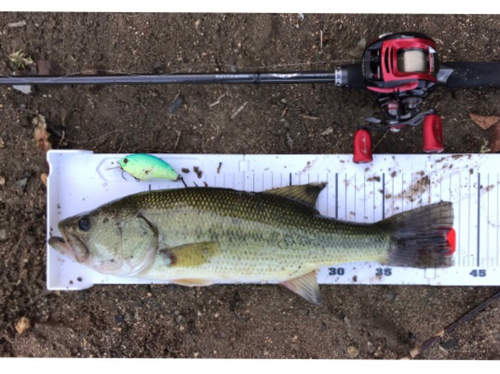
(61, 246)
(70, 245)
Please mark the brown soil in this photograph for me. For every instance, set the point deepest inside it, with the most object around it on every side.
(219, 321)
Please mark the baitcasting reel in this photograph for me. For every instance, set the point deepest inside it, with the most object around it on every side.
(400, 70)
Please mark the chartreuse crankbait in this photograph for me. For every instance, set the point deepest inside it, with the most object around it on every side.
(147, 167)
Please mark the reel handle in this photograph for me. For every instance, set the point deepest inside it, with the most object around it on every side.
(362, 147)
(433, 134)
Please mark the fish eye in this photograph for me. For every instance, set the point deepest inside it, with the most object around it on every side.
(125, 160)
(84, 224)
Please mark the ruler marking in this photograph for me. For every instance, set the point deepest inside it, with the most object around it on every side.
(459, 214)
(364, 200)
(290, 179)
(402, 189)
(373, 200)
(488, 227)
(441, 191)
(498, 221)
(468, 226)
(383, 196)
(478, 216)
(336, 195)
(345, 200)
(355, 200)
(411, 184)
(392, 197)
(328, 195)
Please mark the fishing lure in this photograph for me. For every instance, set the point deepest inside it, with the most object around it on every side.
(147, 167)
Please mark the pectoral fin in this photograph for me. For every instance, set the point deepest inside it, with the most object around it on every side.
(306, 286)
(190, 255)
(307, 193)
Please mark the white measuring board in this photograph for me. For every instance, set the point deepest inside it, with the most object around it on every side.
(80, 181)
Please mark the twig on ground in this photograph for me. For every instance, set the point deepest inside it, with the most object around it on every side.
(465, 318)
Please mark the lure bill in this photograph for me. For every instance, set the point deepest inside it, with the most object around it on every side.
(204, 236)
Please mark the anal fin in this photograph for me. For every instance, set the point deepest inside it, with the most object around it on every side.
(305, 286)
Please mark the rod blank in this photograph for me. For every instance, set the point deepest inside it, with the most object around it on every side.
(222, 78)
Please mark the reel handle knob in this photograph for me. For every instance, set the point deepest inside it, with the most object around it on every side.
(362, 147)
(433, 134)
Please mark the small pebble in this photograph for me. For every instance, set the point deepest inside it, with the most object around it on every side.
(2, 143)
(2, 181)
(370, 347)
(362, 43)
(22, 325)
(3, 235)
(352, 351)
(21, 184)
(327, 131)
(17, 24)
(25, 89)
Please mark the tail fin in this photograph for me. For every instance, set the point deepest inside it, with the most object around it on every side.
(422, 237)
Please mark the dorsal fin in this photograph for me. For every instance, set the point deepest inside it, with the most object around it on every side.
(306, 193)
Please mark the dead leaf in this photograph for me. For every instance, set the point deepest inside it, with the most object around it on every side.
(43, 67)
(22, 325)
(20, 59)
(485, 122)
(43, 177)
(495, 139)
(41, 136)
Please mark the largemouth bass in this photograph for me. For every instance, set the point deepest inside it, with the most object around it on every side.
(202, 236)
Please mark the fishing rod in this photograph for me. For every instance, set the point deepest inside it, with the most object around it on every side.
(399, 69)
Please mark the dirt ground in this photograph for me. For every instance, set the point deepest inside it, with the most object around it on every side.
(251, 321)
